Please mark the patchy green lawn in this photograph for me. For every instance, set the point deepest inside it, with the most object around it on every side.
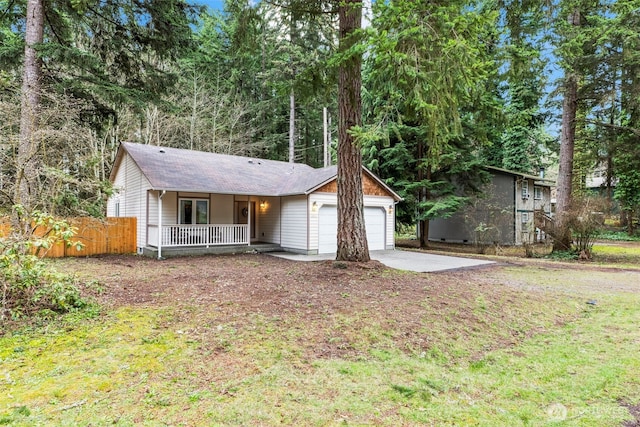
(627, 253)
(253, 340)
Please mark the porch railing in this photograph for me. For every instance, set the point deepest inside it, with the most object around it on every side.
(205, 235)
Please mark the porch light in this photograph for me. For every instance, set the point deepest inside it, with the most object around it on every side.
(390, 209)
(263, 204)
(314, 207)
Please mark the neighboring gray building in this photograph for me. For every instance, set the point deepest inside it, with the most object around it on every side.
(503, 214)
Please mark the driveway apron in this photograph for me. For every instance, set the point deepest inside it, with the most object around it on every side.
(420, 262)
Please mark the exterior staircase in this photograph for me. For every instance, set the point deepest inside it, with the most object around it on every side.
(544, 222)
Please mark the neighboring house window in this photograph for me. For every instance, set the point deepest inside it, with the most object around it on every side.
(525, 189)
(525, 217)
(194, 211)
(117, 209)
(537, 193)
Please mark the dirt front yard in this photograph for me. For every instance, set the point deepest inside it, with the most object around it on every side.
(314, 295)
(257, 340)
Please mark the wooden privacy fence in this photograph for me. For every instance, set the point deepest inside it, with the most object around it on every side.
(109, 236)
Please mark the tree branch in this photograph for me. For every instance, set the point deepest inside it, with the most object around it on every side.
(306, 11)
(611, 125)
(6, 11)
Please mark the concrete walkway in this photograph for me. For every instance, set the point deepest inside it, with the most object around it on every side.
(400, 260)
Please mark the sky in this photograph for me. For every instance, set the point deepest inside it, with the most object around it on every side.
(213, 4)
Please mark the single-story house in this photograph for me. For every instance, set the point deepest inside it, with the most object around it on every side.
(504, 214)
(597, 183)
(198, 200)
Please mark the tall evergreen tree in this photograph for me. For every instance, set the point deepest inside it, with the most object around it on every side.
(628, 162)
(615, 113)
(27, 157)
(352, 237)
(523, 137)
(426, 79)
(575, 42)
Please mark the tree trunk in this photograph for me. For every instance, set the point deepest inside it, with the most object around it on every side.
(424, 174)
(562, 240)
(609, 179)
(193, 120)
(292, 127)
(352, 237)
(424, 233)
(326, 161)
(26, 162)
(292, 95)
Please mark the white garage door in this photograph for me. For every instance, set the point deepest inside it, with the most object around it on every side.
(328, 225)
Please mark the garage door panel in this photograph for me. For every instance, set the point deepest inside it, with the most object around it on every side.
(374, 219)
(328, 226)
(327, 230)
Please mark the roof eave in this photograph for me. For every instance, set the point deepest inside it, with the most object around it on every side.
(116, 163)
(542, 181)
(210, 191)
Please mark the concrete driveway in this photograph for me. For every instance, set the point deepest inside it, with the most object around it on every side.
(400, 260)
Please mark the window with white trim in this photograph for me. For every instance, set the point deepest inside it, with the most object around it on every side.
(525, 189)
(525, 217)
(537, 193)
(117, 209)
(193, 211)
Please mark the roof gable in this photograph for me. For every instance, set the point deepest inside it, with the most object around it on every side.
(371, 186)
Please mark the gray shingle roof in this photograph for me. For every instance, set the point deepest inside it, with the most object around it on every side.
(174, 169)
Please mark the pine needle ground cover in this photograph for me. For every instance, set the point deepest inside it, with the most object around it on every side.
(256, 340)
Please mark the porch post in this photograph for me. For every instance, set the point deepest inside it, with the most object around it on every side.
(160, 195)
(249, 219)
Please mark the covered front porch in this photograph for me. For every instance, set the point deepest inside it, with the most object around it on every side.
(195, 222)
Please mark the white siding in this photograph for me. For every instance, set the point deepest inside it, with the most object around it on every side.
(321, 199)
(131, 193)
(293, 223)
(169, 209)
(221, 209)
(152, 211)
(269, 220)
(152, 224)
